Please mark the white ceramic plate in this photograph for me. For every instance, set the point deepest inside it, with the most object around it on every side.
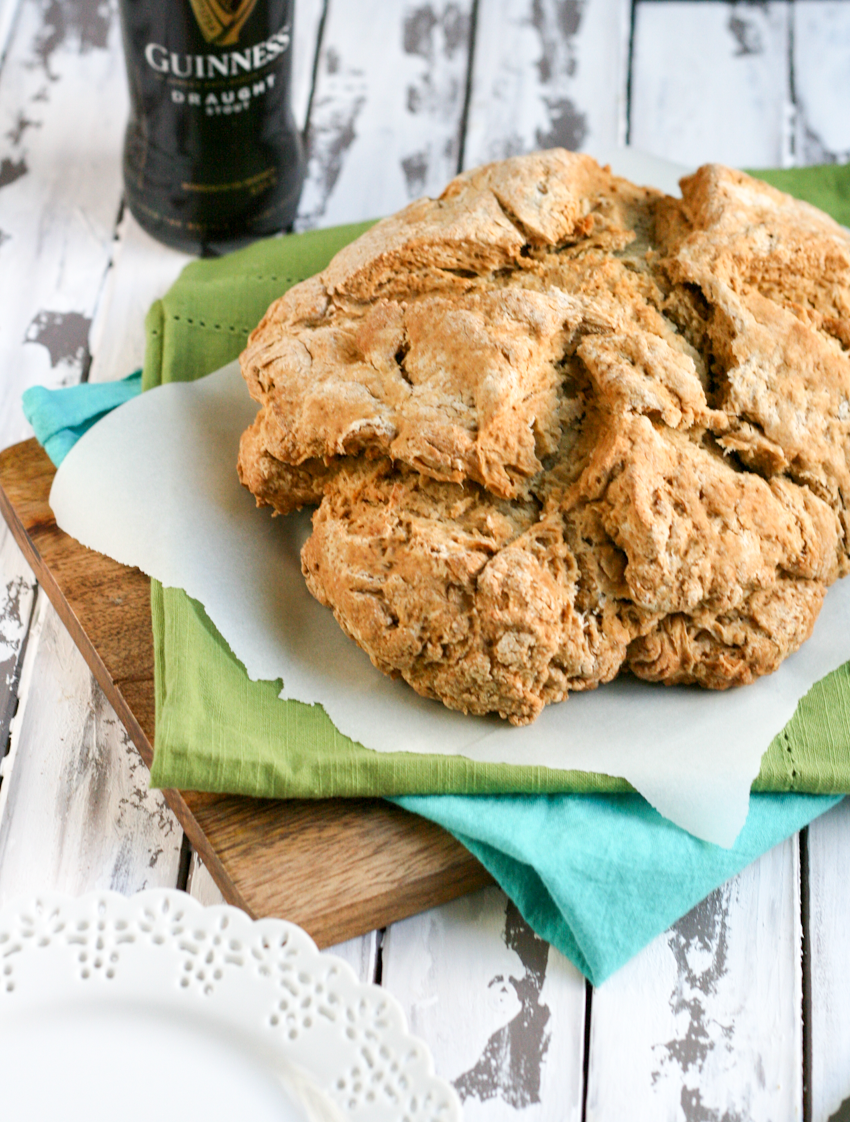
(155, 1006)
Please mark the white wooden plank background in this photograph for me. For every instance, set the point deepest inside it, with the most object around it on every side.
(63, 108)
(822, 81)
(140, 271)
(387, 109)
(822, 135)
(705, 1024)
(547, 73)
(16, 602)
(75, 809)
(711, 81)
(502, 1012)
(8, 12)
(308, 25)
(829, 949)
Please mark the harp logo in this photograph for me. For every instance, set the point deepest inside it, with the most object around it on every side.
(221, 21)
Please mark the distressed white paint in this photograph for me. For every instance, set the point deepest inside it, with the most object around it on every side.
(17, 594)
(710, 81)
(387, 109)
(705, 1022)
(361, 954)
(548, 73)
(75, 810)
(822, 81)
(63, 106)
(829, 948)
(479, 998)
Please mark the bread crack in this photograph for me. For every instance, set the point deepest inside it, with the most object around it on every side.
(558, 427)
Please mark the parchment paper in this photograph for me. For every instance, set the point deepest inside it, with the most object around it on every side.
(154, 485)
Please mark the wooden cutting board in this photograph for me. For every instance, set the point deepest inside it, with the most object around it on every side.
(336, 867)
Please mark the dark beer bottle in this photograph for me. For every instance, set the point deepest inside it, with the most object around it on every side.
(212, 157)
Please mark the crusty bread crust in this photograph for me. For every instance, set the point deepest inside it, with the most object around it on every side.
(559, 426)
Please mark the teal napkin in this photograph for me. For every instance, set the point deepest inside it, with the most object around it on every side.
(60, 417)
(597, 876)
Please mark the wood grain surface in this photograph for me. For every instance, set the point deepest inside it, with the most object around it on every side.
(337, 867)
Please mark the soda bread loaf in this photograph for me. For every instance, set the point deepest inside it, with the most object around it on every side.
(558, 426)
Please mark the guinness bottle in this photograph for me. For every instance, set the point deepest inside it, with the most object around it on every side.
(212, 157)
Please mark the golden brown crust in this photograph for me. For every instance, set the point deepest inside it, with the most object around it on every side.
(470, 598)
(767, 281)
(273, 482)
(436, 337)
(561, 426)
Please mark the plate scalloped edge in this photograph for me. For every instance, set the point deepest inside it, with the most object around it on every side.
(265, 978)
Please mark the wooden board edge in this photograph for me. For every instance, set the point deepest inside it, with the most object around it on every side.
(328, 930)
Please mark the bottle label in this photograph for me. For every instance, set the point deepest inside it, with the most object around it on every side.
(229, 64)
(220, 21)
(223, 83)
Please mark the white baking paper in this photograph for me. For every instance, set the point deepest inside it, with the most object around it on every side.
(154, 485)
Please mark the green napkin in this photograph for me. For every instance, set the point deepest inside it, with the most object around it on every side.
(826, 186)
(218, 731)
